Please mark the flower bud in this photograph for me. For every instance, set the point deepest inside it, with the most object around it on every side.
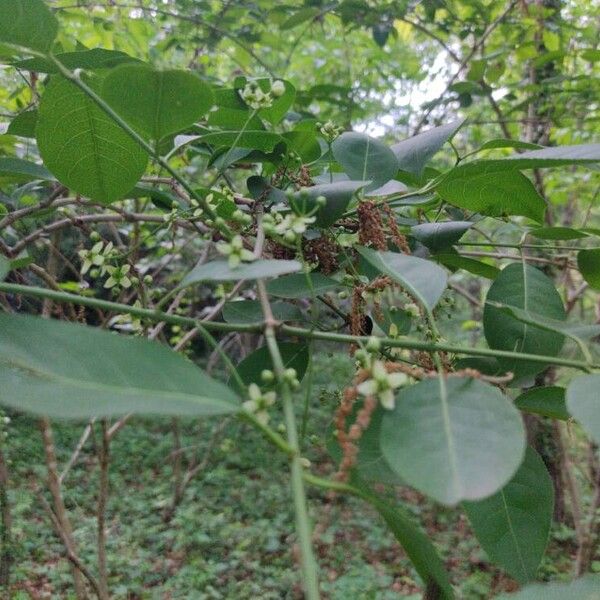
(278, 88)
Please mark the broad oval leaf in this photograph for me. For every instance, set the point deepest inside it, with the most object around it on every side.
(250, 311)
(76, 372)
(422, 279)
(583, 402)
(295, 356)
(438, 236)
(546, 401)
(27, 24)
(83, 147)
(484, 189)
(588, 262)
(512, 526)
(453, 439)
(156, 103)
(219, 270)
(302, 285)
(365, 158)
(555, 156)
(585, 588)
(527, 288)
(415, 152)
(338, 195)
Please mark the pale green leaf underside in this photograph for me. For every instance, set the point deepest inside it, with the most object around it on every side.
(586, 588)
(583, 402)
(422, 279)
(76, 372)
(454, 439)
(219, 270)
(83, 147)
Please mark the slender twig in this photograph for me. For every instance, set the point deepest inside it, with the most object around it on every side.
(402, 342)
(303, 526)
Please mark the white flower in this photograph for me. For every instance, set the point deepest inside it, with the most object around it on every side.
(330, 131)
(412, 309)
(382, 384)
(259, 403)
(96, 257)
(297, 224)
(235, 252)
(118, 277)
(255, 98)
(278, 88)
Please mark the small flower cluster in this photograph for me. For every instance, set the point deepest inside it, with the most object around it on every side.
(4, 422)
(329, 130)
(96, 262)
(255, 98)
(380, 384)
(98, 256)
(289, 226)
(259, 403)
(235, 252)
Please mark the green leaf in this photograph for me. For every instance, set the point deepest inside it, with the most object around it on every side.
(75, 372)
(529, 289)
(512, 526)
(365, 158)
(18, 169)
(299, 17)
(304, 143)
(555, 156)
(250, 311)
(453, 439)
(588, 262)
(415, 152)
(295, 356)
(422, 279)
(477, 267)
(557, 233)
(27, 25)
(232, 113)
(585, 588)
(264, 141)
(545, 401)
(298, 286)
(97, 58)
(219, 270)
(83, 147)
(583, 402)
(474, 186)
(24, 124)
(578, 332)
(438, 236)
(507, 143)
(415, 543)
(338, 195)
(4, 268)
(156, 103)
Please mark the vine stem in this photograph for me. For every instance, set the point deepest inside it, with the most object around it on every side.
(309, 565)
(402, 342)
